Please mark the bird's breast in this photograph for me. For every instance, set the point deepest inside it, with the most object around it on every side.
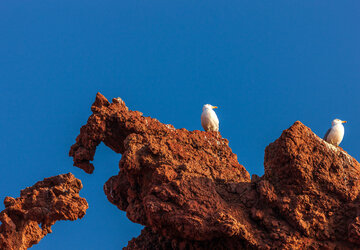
(336, 134)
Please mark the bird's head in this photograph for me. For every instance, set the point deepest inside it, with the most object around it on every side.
(337, 121)
(208, 106)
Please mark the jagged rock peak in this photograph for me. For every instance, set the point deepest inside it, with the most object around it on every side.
(27, 219)
(190, 192)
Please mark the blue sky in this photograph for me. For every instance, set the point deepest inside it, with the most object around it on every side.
(265, 64)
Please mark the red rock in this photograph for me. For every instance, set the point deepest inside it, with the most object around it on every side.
(27, 219)
(190, 192)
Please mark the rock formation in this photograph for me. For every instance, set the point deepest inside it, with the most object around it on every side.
(190, 192)
(27, 219)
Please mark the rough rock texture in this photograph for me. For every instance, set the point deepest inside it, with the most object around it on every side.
(27, 219)
(190, 192)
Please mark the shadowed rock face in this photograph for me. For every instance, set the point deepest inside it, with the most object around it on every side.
(190, 192)
(27, 219)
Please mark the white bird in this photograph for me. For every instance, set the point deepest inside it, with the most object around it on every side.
(335, 134)
(209, 119)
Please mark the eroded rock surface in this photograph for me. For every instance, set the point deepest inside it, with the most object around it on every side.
(190, 192)
(27, 219)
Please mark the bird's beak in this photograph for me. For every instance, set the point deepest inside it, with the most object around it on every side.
(214, 107)
(343, 121)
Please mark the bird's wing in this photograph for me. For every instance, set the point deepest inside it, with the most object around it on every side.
(327, 133)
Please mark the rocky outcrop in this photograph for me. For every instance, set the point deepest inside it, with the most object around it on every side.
(190, 192)
(27, 219)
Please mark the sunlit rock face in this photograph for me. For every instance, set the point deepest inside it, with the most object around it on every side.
(190, 192)
(27, 219)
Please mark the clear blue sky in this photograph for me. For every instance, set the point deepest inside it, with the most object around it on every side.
(265, 64)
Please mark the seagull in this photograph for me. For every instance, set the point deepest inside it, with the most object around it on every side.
(209, 120)
(335, 134)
